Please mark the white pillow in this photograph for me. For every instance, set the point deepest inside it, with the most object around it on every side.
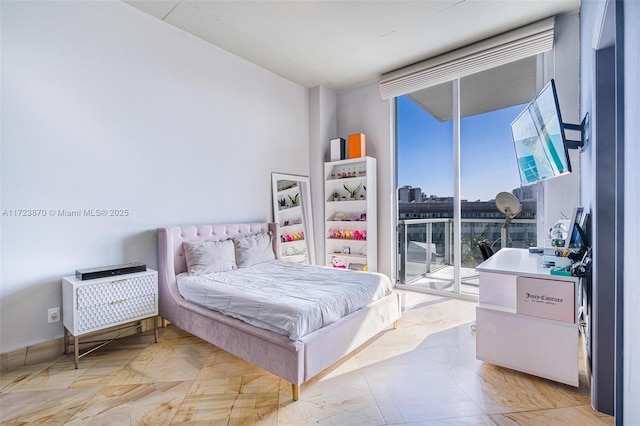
(253, 249)
(205, 257)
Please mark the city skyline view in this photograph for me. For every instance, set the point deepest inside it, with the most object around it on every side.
(487, 154)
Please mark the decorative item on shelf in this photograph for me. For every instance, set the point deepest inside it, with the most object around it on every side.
(359, 235)
(296, 236)
(339, 217)
(292, 222)
(295, 252)
(348, 234)
(282, 202)
(357, 266)
(351, 217)
(295, 199)
(356, 146)
(283, 185)
(338, 149)
(352, 191)
(336, 262)
(347, 172)
(336, 196)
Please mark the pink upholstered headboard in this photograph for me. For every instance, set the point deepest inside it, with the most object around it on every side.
(178, 234)
(171, 261)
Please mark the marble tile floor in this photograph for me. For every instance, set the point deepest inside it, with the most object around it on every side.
(423, 373)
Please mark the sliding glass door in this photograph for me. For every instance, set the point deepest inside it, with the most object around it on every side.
(455, 154)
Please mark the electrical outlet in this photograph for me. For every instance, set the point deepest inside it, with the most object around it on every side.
(54, 314)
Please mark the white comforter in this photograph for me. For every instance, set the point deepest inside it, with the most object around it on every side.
(287, 298)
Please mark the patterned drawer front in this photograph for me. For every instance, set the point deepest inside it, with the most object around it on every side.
(115, 312)
(106, 293)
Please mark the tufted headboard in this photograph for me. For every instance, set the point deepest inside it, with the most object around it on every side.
(171, 260)
(178, 234)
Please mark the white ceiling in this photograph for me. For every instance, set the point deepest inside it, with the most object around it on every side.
(344, 44)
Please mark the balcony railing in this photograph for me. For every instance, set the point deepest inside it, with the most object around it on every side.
(426, 245)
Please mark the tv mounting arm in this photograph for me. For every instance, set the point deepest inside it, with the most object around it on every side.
(583, 128)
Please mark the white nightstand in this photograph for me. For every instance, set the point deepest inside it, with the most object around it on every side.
(93, 305)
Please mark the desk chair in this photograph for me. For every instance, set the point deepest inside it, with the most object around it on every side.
(485, 249)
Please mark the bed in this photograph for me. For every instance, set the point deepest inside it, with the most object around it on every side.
(294, 360)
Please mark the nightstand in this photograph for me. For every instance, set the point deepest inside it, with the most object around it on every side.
(94, 305)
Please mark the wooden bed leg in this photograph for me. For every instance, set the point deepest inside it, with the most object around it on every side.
(395, 325)
(295, 390)
(165, 323)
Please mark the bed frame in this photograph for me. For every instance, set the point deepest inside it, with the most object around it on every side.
(294, 361)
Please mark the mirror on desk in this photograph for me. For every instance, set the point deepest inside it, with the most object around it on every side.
(292, 211)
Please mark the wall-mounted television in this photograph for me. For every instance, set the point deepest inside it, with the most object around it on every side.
(539, 140)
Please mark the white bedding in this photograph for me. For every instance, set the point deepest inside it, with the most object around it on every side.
(287, 298)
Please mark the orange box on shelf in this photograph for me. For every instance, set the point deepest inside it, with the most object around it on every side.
(356, 145)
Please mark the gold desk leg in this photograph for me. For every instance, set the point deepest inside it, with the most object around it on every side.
(295, 390)
(76, 350)
(165, 323)
(395, 325)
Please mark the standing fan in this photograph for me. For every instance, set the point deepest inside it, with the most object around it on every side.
(508, 204)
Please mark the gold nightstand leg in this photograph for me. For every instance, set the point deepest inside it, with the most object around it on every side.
(76, 350)
(66, 340)
(155, 328)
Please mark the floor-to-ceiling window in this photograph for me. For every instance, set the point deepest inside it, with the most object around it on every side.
(426, 199)
(455, 153)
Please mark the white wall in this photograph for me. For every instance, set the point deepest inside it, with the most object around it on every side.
(105, 107)
(362, 110)
(323, 126)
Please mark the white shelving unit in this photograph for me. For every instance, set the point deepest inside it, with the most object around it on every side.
(351, 222)
(527, 319)
(290, 216)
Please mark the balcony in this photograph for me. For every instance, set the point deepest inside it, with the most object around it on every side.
(426, 254)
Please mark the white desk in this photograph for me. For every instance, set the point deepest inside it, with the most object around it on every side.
(526, 318)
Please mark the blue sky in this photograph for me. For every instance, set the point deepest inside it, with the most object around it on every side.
(487, 155)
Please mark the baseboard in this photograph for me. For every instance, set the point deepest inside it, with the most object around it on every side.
(34, 354)
(53, 349)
